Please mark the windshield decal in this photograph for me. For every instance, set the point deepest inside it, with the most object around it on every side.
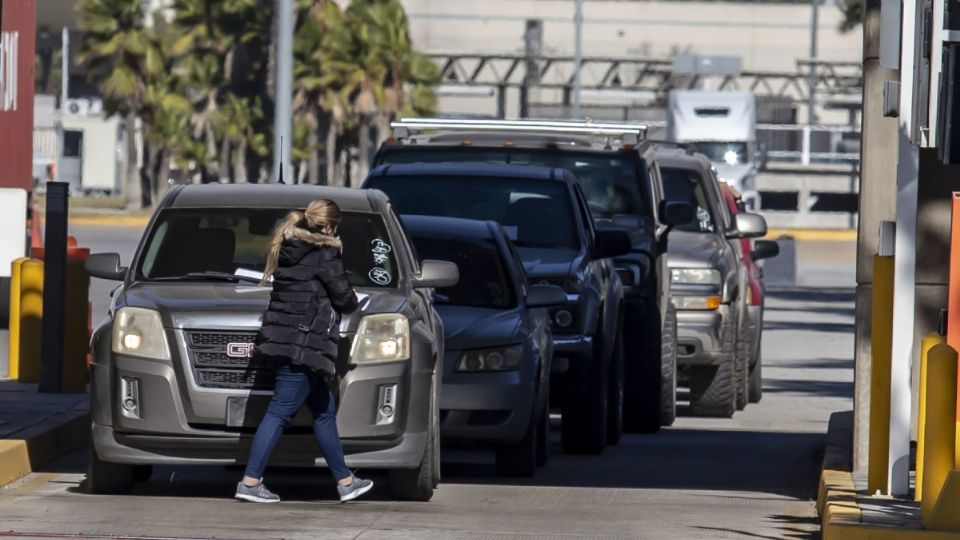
(380, 276)
(381, 255)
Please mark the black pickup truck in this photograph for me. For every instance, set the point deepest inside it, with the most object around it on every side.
(620, 181)
(546, 213)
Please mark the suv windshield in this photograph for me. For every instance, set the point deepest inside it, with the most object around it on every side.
(687, 186)
(610, 182)
(537, 213)
(728, 153)
(190, 244)
(484, 281)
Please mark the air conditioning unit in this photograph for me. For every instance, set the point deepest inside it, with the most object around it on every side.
(77, 107)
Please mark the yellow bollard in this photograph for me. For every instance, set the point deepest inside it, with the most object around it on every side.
(880, 344)
(940, 430)
(13, 343)
(929, 341)
(30, 321)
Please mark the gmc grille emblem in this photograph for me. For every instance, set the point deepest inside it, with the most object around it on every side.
(240, 350)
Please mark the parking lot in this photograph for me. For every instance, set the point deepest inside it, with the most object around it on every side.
(752, 476)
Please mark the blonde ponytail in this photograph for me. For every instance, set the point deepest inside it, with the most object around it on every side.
(284, 230)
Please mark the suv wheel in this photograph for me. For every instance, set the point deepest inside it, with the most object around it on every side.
(615, 403)
(712, 390)
(755, 383)
(583, 428)
(668, 374)
(643, 370)
(108, 478)
(741, 365)
(418, 484)
(543, 431)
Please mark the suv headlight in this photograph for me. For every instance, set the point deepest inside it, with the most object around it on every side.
(495, 359)
(381, 338)
(139, 332)
(695, 276)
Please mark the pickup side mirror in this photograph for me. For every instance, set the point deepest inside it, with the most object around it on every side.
(673, 213)
(611, 243)
(437, 274)
(105, 266)
(764, 249)
(748, 225)
(543, 295)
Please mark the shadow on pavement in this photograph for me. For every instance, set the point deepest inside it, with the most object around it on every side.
(820, 294)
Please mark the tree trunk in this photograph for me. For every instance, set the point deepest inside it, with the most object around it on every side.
(313, 143)
(239, 162)
(253, 163)
(163, 175)
(223, 161)
(330, 149)
(364, 146)
(147, 173)
(132, 183)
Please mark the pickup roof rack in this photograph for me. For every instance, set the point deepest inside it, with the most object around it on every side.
(624, 133)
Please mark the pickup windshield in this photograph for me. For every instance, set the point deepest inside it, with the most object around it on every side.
(207, 244)
(611, 182)
(536, 213)
(484, 281)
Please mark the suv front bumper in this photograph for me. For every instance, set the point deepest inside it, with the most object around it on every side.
(700, 336)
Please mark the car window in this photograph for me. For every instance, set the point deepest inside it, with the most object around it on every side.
(611, 182)
(410, 248)
(687, 185)
(484, 280)
(537, 213)
(224, 240)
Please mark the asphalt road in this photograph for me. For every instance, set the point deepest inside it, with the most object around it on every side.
(752, 476)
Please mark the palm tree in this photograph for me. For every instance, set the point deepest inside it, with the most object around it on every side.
(120, 57)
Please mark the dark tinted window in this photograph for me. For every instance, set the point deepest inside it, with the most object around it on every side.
(484, 280)
(225, 240)
(537, 213)
(610, 182)
(686, 185)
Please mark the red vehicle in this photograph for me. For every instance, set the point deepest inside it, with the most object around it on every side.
(750, 252)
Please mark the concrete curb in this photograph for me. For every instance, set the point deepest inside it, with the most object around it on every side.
(839, 503)
(828, 235)
(42, 444)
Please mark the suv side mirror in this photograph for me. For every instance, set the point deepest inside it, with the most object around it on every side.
(764, 249)
(543, 295)
(105, 266)
(611, 243)
(437, 274)
(673, 213)
(748, 225)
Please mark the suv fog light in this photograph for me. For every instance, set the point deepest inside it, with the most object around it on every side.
(130, 397)
(563, 318)
(386, 404)
(386, 410)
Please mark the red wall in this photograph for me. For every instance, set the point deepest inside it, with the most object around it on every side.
(16, 104)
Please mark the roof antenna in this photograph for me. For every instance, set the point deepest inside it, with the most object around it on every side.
(280, 173)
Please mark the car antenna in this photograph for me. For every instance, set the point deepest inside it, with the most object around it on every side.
(280, 173)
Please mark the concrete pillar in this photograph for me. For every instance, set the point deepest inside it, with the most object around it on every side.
(877, 203)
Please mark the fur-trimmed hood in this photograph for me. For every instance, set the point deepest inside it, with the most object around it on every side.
(298, 242)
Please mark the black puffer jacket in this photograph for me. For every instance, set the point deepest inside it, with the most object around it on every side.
(310, 291)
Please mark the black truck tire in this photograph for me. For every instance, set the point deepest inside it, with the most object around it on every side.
(419, 484)
(668, 372)
(643, 371)
(583, 427)
(104, 478)
(755, 383)
(712, 388)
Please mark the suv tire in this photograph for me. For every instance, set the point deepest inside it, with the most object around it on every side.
(418, 484)
(583, 428)
(755, 382)
(104, 478)
(643, 372)
(712, 388)
(615, 403)
(741, 364)
(668, 374)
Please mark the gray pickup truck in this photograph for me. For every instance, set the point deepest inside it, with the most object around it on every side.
(174, 379)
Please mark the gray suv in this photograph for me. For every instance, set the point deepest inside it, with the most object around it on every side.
(708, 279)
(174, 380)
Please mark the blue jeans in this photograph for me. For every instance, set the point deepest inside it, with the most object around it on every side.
(296, 385)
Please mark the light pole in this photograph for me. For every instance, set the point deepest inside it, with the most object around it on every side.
(283, 114)
(577, 54)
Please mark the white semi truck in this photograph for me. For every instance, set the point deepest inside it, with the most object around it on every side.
(723, 126)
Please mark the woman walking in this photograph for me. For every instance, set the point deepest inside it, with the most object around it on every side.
(300, 337)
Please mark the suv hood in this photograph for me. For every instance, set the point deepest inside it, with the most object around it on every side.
(474, 328)
(546, 262)
(216, 305)
(693, 250)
